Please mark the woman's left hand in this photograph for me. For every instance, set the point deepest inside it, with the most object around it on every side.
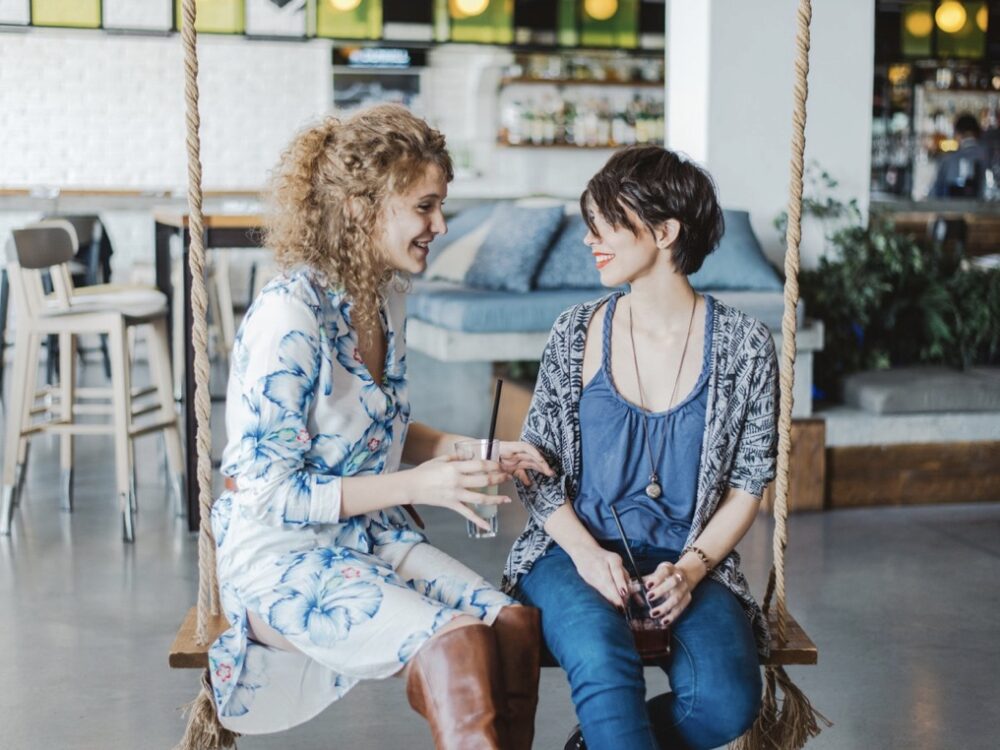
(516, 458)
(668, 590)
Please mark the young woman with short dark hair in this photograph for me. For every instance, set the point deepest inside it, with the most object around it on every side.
(661, 402)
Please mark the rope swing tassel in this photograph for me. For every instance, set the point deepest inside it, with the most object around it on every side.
(787, 723)
(204, 732)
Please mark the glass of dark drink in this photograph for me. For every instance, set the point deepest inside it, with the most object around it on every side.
(651, 635)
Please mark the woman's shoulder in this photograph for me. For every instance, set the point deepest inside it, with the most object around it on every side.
(578, 316)
(740, 333)
(293, 296)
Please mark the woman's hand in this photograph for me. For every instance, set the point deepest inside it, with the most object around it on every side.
(448, 482)
(604, 571)
(516, 458)
(668, 591)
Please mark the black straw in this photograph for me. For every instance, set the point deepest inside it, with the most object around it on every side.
(628, 551)
(493, 419)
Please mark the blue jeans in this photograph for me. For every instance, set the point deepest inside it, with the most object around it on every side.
(714, 673)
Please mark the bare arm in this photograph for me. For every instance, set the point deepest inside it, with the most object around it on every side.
(602, 569)
(424, 443)
(728, 525)
(445, 482)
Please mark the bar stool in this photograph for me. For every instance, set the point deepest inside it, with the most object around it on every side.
(91, 266)
(67, 313)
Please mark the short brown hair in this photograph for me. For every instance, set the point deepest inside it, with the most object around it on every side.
(658, 184)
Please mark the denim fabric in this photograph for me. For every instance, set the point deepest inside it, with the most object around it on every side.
(713, 672)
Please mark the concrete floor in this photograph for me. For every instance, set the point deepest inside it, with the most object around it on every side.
(903, 603)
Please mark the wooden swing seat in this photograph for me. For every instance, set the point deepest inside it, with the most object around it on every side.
(185, 653)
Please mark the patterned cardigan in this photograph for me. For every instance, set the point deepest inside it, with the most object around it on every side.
(739, 447)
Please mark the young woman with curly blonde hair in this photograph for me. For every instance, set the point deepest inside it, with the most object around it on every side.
(322, 577)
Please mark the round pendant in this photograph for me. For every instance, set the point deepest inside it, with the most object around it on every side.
(653, 490)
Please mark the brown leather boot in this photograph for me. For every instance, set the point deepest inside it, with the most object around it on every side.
(454, 683)
(518, 631)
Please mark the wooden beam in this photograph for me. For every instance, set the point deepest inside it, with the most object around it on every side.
(859, 476)
(186, 652)
(797, 649)
(806, 467)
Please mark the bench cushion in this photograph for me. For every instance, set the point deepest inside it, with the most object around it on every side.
(738, 263)
(569, 264)
(908, 390)
(461, 308)
(514, 247)
(461, 224)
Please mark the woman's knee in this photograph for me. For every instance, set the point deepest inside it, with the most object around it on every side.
(599, 656)
(726, 705)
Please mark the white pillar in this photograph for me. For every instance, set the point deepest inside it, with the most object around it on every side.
(687, 77)
(729, 97)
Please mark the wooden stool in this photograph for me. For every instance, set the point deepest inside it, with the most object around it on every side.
(47, 247)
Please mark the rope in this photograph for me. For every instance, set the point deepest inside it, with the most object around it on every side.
(208, 587)
(788, 321)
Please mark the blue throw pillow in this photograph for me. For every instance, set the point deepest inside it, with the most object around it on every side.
(459, 225)
(738, 262)
(516, 244)
(570, 264)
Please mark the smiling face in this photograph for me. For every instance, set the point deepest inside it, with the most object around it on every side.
(621, 256)
(410, 220)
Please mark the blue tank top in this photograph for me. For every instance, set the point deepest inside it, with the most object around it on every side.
(616, 464)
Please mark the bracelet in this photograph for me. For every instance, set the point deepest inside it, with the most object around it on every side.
(701, 556)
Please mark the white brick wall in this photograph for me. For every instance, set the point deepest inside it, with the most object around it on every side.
(89, 109)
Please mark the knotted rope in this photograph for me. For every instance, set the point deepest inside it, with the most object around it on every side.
(204, 731)
(208, 589)
(792, 724)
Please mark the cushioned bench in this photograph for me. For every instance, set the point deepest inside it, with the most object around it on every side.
(911, 390)
(461, 308)
(497, 281)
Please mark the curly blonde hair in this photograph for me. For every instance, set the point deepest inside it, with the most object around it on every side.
(328, 192)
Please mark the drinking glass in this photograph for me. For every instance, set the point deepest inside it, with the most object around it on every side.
(469, 449)
(651, 636)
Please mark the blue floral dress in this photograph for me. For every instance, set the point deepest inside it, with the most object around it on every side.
(356, 596)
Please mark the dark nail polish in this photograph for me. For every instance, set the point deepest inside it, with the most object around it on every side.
(623, 592)
(649, 584)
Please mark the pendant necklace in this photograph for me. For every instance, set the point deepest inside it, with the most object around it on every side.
(654, 489)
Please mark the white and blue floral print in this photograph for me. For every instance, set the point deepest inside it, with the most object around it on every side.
(357, 596)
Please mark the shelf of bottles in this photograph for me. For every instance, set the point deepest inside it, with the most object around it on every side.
(581, 101)
(913, 116)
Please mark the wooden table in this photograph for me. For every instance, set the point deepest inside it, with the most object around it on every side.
(221, 230)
